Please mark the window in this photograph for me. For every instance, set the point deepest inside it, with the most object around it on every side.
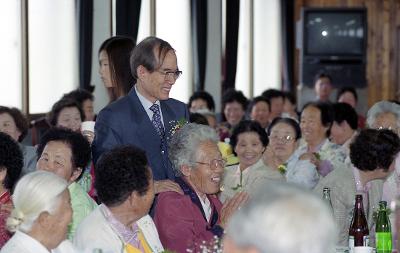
(53, 65)
(11, 63)
(259, 52)
(176, 30)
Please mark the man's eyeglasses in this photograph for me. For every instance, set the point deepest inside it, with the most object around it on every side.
(215, 163)
(285, 139)
(171, 74)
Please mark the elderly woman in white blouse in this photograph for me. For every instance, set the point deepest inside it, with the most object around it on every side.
(315, 123)
(41, 214)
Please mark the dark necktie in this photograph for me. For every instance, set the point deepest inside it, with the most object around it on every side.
(155, 108)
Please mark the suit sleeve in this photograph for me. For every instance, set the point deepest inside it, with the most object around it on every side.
(106, 134)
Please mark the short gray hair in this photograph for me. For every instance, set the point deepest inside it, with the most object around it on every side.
(185, 142)
(283, 218)
(36, 192)
(383, 107)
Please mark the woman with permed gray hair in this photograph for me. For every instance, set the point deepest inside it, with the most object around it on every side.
(372, 155)
(186, 221)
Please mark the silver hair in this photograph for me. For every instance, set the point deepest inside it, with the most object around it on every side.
(283, 218)
(185, 143)
(35, 193)
(383, 107)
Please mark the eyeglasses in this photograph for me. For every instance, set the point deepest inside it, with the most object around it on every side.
(215, 163)
(285, 139)
(170, 74)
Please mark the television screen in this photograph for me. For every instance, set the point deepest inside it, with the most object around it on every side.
(334, 32)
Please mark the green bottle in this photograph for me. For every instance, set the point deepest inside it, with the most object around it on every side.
(383, 230)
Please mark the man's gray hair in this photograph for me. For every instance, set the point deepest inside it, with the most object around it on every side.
(283, 218)
(185, 143)
(383, 107)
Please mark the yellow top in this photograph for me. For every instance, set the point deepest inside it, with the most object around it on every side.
(131, 249)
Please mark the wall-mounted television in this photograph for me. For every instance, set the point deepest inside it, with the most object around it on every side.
(334, 32)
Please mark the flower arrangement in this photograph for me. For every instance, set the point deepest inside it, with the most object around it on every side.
(177, 124)
(213, 246)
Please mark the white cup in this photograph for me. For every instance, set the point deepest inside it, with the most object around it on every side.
(363, 249)
(88, 126)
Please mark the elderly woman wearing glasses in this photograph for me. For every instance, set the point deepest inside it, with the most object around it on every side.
(249, 141)
(284, 135)
(186, 221)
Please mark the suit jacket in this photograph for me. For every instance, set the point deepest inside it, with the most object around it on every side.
(343, 190)
(125, 122)
(252, 178)
(95, 232)
(180, 223)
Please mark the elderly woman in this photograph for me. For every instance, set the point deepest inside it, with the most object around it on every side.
(372, 155)
(14, 123)
(234, 105)
(85, 100)
(185, 221)
(270, 224)
(10, 170)
(249, 141)
(386, 115)
(121, 223)
(67, 113)
(284, 135)
(259, 111)
(41, 215)
(66, 153)
(316, 121)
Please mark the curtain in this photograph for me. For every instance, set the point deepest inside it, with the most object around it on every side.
(288, 44)
(231, 44)
(127, 17)
(85, 40)
(198, 10)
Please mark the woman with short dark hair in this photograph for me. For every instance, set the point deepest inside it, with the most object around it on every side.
(249, 141)
(11, 163)
(372, 157)
(14, 123)
(315, 123)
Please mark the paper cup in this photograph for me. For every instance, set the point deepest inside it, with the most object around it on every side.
(363, 250)
(88, 126)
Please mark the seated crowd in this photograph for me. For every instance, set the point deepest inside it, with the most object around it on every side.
(152, 177)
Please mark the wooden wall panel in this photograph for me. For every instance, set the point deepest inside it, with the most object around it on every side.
(383, 56)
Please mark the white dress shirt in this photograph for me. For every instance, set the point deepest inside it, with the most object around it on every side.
(147, 104)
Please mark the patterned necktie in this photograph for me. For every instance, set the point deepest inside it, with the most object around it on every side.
(155, 108)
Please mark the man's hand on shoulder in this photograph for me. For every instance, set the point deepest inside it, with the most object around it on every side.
(166, 185)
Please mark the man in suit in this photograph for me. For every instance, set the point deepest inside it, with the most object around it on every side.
(146, 116)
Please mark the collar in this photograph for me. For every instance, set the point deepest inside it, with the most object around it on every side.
(127, 234)
(144, 101)
(357, 178)
(318, 147)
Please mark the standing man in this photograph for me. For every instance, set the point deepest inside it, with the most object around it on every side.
(323, 87)
(146, 116)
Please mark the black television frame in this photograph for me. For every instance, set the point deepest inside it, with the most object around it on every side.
(307, 10)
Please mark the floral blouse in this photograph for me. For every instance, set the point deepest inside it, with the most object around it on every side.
(305, 173)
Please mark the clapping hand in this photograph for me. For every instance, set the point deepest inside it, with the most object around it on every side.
(231, 205)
